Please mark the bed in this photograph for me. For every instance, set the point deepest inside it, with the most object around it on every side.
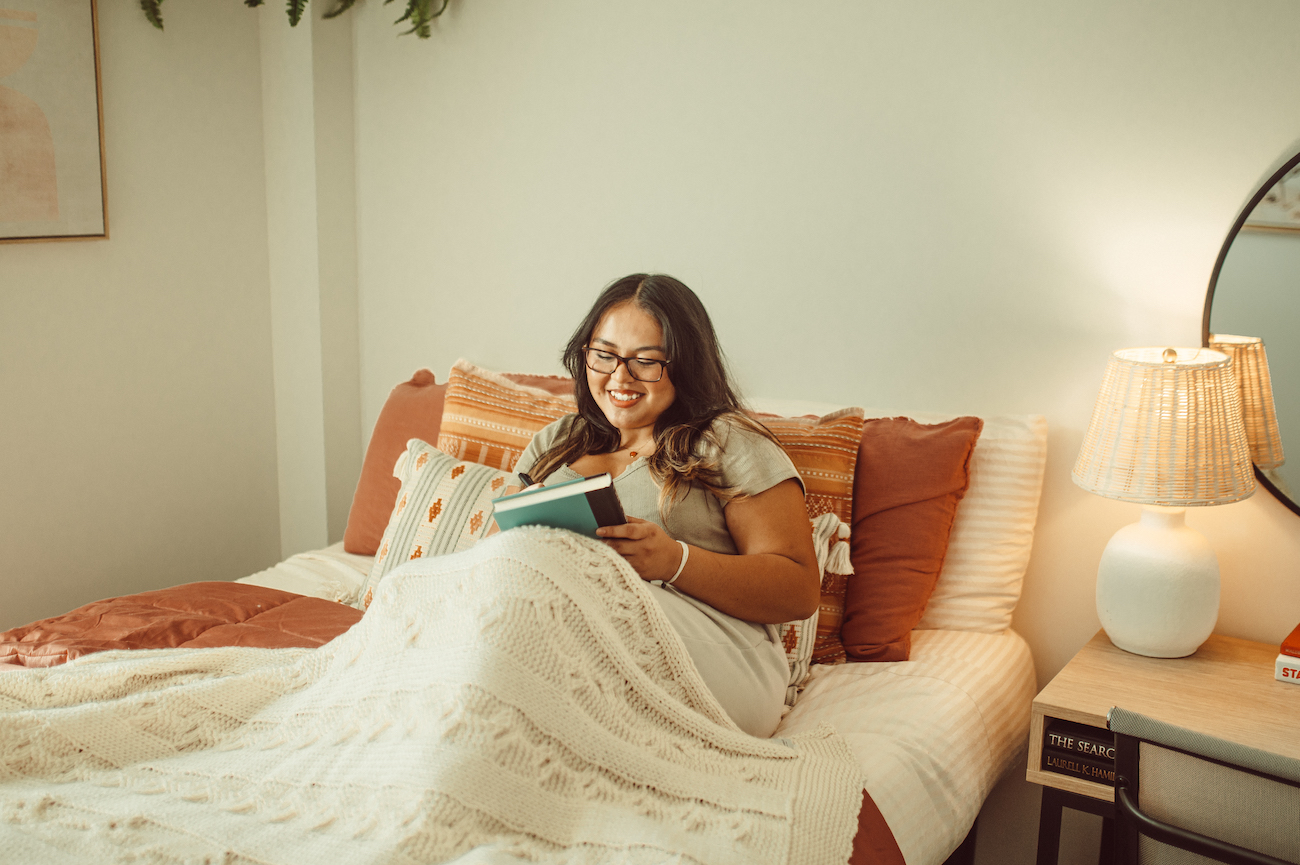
(930, 735)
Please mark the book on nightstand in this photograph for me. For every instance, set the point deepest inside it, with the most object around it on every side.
(581, 505)
(1080, 739)
(1079, 751)
(1287, 666)
(1291, 645)
(1287, 669)
(1077, 766)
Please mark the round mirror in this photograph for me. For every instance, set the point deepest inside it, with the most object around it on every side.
(1255, 293)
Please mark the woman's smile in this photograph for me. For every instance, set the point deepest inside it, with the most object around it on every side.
(623, 398)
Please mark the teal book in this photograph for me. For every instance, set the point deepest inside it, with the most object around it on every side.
(581, 505)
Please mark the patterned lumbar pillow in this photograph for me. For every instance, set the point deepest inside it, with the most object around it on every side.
(825, 451)
(444, 506)
(799, 639)
(489, 418)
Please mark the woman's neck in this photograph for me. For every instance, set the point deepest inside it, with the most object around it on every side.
(636, 443)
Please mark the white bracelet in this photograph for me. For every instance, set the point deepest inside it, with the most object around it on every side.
(686, 554)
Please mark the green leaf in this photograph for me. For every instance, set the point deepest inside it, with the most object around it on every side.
(152, 12)
(339, 8)
(419, 13)
(253, 4)
(296, 8)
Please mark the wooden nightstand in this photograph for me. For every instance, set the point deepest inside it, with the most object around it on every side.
(1226, 690)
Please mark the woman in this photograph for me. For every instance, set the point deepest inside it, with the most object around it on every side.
(716, 516)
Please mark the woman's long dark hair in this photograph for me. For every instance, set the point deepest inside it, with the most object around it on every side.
(698, 371)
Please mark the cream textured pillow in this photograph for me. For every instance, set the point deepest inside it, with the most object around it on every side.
(444, 506)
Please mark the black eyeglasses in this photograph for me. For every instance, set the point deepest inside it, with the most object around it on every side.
(640, 368)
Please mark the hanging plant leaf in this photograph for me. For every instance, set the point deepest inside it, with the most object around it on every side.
(152, 12)
(339, 8)
(419, 13)
(295, 8)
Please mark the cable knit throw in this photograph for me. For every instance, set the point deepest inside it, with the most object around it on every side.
(523, 700)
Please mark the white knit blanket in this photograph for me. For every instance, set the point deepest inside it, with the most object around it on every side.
(525, 700)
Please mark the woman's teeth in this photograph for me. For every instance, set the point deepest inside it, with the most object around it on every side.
(625, 396)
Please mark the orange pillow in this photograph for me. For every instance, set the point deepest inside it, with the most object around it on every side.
(910, 477)
(489, 418)
(825, 451)
(413, 411)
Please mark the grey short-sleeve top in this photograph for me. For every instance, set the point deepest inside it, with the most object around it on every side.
(749, 461)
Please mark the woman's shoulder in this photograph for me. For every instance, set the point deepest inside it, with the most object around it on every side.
(548, 434)
(542, 441)
(736, 431)
(736, 439)
(750, 459)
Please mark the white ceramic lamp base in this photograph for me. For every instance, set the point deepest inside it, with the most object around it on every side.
(1158, 586)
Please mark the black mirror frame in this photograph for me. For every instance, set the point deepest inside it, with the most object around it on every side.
(1274, 176)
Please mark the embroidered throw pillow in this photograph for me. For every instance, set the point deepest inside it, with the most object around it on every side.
(825, 451)
(487, 418)
(831, 541)
(444, 506)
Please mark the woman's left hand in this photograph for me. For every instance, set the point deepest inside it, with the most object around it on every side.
(647, 548)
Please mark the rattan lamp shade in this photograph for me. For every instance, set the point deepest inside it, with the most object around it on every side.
(1250, 365)
(1167, 430)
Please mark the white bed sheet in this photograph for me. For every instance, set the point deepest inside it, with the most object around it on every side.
(329, 573)
(933, 733)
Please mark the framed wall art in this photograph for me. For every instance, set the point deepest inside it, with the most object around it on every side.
(1280, 208)
(51, 122)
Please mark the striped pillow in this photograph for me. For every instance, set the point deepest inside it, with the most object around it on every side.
(825, 451)
(444, 506)
(489, 419)
(993, 531)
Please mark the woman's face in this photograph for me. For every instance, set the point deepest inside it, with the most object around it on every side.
(629, 331)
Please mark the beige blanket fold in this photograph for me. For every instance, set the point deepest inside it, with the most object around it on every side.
(525, 700)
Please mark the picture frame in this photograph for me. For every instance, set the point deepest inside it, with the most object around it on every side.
(1279, 209)
(52, 180)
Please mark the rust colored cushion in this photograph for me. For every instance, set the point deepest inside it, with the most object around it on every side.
(193, 615)
(413, 411)
(825, 451)
(910, 477)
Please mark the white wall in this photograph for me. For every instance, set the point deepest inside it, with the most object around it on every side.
(137, 428)
(944, 206)
(307, 113)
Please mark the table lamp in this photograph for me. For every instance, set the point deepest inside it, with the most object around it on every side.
(1250, 366)
(1166, 432)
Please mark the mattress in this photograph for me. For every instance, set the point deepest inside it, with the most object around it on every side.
(933, 733)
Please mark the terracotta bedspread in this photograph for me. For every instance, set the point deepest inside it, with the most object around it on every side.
(197, 615)
(193, 615)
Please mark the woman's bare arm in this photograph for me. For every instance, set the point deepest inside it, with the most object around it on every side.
(773, 579)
